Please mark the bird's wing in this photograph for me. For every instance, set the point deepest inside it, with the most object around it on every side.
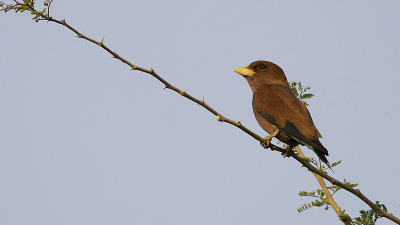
(279, 106)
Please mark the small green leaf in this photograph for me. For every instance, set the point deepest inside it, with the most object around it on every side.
(300, 92)
(305, 96)
(345, 217)
(336, 163)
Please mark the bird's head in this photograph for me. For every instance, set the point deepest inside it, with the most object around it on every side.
(262, 72)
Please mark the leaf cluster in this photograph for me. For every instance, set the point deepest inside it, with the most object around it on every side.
(319, 193)
(28, 5)
(367, 217)
(300, 92)
(321, 201)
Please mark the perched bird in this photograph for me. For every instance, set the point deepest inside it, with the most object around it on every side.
(278, 111)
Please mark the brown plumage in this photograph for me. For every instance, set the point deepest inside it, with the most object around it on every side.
(277, 108)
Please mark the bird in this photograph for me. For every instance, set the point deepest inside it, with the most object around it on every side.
(278, 111)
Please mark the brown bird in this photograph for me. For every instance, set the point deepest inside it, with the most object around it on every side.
(278, 111)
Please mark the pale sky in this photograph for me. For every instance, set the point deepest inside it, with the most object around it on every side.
(86, 141)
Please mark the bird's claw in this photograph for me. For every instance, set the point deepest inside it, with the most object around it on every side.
(267, 140)
(288, 151)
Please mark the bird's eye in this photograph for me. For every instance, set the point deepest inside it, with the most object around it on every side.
(263, 66)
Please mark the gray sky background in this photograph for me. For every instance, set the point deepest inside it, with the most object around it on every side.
(84, 140)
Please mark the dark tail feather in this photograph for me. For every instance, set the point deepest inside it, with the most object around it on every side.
(323, 158)
(313, 143)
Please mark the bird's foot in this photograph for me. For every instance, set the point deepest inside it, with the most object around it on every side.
(288, 151)
(267, 140)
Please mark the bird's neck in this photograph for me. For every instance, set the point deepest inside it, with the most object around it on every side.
(275, 79)
(276, 83)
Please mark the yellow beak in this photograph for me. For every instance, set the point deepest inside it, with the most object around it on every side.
(244, 71)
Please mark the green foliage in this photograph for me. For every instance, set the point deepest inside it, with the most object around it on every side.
(28, 5)
(320, 195)
(300, 91)
(345, 217)
(369, 217)
(321, 201)
(349, 184)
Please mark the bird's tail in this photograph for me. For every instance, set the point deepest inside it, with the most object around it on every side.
(324, 159)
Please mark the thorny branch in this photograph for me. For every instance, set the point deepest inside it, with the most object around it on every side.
(41, 15)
